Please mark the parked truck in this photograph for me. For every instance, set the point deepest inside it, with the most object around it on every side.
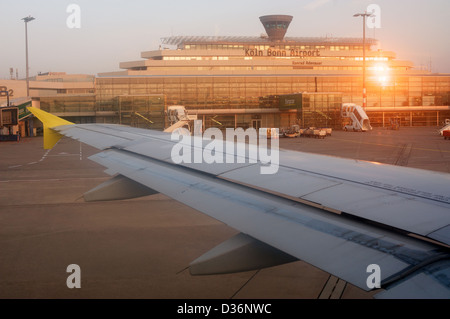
(444, 129)
(313, 132)
(446, 134)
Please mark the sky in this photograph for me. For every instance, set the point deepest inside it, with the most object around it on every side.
(114, 31)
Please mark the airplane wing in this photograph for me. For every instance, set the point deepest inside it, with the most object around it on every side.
(356, 220)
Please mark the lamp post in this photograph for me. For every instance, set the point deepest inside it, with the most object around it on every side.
(27, 19)
(364, 16)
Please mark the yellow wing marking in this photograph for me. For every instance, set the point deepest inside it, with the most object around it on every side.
(50, 121)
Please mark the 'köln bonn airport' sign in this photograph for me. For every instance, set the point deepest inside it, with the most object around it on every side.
(282, 53)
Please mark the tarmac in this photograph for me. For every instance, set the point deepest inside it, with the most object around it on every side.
(140, 249)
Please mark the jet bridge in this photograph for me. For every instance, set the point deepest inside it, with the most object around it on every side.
(359, 119)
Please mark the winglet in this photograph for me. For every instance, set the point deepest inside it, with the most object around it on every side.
(50, 121)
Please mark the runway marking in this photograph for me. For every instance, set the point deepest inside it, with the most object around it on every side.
(45, 155)
(245, 284)
(37, 235)
(15, 166)
(333, 288)
(404, 154)
(53, 180)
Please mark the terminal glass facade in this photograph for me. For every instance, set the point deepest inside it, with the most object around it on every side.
(142, 111)
(229, 96)
(67, 104)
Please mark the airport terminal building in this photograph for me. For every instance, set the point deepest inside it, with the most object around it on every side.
(265, 81)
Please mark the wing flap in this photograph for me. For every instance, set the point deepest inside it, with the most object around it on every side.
(289, 181)
(336, 192)
(384, 207)
(432, 282)
(442, 235)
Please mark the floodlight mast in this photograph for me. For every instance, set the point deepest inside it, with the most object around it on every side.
(364, 16)
(27, 19)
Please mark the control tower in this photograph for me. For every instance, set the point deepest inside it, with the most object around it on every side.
(276, 26)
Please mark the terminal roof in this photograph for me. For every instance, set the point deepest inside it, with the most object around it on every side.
(181, 40)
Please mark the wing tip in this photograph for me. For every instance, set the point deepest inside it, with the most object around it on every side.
(49, 121)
